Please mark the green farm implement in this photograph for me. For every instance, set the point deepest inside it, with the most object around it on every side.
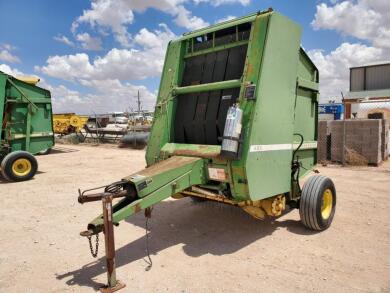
(26, 127)
(235, 122)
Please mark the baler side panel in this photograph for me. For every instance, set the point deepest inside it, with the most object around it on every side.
(270, 153)
(251, 76)
(162, 127)
(306, 114)
(29, 116)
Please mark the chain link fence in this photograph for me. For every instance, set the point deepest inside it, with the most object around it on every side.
(359, 138)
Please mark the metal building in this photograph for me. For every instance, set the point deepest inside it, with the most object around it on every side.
(369, 84)
(370, 78)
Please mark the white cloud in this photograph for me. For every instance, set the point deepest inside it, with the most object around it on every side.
(8, 57)
(88, 42)
(65, 100)
(185, 19)
(122, 64)
(223, 2)
(108, 96)
(113, 95)
(108, 76)
(116, 15)
(63, 39)
(7, 47)
(367, 20)
(364, 19)
(113, 14)
(11, 71)
(6, 53)
(85, 41)
(226, 18)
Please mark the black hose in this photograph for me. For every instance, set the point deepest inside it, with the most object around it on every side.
(295, 165)
(115, 187)
(300, 144)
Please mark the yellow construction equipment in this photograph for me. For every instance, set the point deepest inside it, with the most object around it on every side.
(68, 123)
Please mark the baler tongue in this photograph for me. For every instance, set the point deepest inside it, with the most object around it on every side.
(140, 191)
(153, 185)
(168, 177)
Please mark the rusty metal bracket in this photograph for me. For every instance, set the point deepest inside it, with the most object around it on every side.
(112, 283)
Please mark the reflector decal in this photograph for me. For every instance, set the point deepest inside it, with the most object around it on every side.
(282, 147)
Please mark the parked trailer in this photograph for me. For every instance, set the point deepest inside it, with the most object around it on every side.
(26, 127)
(235, 122)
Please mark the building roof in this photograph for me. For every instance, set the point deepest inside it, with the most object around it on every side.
(368, 94)
(378, 63)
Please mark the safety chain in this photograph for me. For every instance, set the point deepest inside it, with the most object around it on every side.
(94, 253)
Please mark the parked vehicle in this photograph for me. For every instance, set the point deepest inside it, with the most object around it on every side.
(118, 118)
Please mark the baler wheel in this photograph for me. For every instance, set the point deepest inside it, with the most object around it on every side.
(19, 166)
(318, 203)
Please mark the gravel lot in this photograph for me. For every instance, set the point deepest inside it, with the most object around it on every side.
(202, 247)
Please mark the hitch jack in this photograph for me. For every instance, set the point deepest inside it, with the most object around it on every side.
(112, 283)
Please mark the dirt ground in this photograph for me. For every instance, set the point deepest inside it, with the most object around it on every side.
(202, 247)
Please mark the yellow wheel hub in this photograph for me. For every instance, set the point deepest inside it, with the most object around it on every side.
(327, 204)
(21, 167)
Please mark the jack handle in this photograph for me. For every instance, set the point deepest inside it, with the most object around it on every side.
(83, 198)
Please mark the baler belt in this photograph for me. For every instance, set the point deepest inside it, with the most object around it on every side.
(186, 105)
(200, 117)
(199, 123)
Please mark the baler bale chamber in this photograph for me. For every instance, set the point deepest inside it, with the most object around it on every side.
(235, 122)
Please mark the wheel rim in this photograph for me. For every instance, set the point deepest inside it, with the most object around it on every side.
(21, 167)
(327, 203)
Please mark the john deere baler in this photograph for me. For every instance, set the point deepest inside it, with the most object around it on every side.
(26, 126)
(235, 122)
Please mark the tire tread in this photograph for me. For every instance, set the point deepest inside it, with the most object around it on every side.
(308, 201)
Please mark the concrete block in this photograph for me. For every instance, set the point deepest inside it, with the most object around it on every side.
(364, 136)
(385, 139)
(322, 141)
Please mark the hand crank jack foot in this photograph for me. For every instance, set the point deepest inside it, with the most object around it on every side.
(112, 283)
(119, 285)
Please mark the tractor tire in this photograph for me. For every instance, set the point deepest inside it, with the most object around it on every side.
(19, 166)
(317, 204)
(3, 173)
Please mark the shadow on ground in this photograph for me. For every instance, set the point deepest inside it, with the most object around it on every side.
(5, 181)
(61, 150)
(202, 227)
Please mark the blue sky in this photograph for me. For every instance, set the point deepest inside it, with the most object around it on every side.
(36, 37)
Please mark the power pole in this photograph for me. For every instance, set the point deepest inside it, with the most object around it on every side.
(139, 103)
